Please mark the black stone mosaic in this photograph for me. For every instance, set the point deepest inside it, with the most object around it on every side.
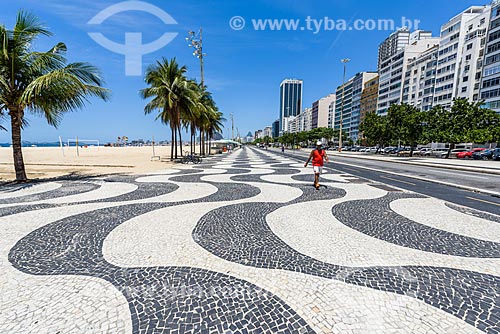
(161, 299)
(474, 213)
(239, 233)
(67, 188)
(375, 218)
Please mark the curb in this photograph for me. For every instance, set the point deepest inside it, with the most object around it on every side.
(452, 167)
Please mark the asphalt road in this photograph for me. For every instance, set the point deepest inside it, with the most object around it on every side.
(406, 177)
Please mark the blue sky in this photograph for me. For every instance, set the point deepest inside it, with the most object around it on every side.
(243, 68)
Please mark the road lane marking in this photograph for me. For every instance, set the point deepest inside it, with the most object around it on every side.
(482, 200)
(390, 178)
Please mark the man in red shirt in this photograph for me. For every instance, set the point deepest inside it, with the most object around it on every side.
(318, 157)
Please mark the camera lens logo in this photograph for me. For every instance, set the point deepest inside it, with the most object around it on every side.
(133, 49)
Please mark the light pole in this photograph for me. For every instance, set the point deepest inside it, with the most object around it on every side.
(344, 61)
(196, 42)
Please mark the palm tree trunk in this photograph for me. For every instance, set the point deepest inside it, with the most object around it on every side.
(201, 142)
(172, 144)
(175, 141)
(16, 147)
(180, 141)
(206, 144)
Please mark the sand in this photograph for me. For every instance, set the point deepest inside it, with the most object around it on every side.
(49, 162)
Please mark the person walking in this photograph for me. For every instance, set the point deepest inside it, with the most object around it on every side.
(318, 157)
(282, 148)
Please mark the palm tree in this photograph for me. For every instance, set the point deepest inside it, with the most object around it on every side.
(215, 121)
(40, 82)
(172, 95)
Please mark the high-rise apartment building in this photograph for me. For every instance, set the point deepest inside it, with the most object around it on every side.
(369, 98)
(348, 104)
(393, 70)
(420, 79)
(304, 120)
(320, 111)
(461, 54)
(393, 44)
(490, 83)
(290, 100)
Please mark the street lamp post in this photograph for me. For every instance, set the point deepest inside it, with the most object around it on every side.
(196, 42)
(344, 61)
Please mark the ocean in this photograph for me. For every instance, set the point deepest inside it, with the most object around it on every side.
(54, 144)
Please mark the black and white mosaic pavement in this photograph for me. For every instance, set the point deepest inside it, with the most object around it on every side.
(209, 251)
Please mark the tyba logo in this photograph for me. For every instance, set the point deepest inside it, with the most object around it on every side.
(133, 49)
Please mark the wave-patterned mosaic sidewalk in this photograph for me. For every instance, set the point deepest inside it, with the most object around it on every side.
(243, 243)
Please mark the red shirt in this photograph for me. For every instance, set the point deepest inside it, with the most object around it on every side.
(318, 156)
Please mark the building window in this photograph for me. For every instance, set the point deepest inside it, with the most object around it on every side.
(464, 89)
(466, 68)
(468, 57)
(466, 79)
(469, 46)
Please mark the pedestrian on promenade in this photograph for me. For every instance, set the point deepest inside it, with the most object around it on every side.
(283, 149)
(318, 157)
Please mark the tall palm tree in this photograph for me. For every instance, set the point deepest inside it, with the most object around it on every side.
(40, 82)
(215, 124)
(172, 94)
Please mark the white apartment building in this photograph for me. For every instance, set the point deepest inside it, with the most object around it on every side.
(268, 131)
(461, 54)
(393, 70)
(321, 111)
(393, 44)
(420, 78)
(304, 120)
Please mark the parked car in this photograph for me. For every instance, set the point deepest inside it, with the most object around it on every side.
(404, 152)
(496, 154)
(468, 154)
(423, 151)
(453, 153)
(482, 155)
(388, 149)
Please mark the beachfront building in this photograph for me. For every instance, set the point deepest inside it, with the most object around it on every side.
(348, 104)
(461, 53)
(490, 83)
(420, 79)
(268, 132)
(369, 98)
(276, 128)
(321, 110)
(393, 44)
(290, 101)
(304, 120)
(392, 69)
(368, 103)
(259, 134)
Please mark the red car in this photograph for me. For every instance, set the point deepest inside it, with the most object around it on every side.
(468, 154)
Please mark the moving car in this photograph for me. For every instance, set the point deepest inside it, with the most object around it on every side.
(468, 154)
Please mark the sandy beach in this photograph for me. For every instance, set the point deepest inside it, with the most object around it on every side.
(49, 162)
